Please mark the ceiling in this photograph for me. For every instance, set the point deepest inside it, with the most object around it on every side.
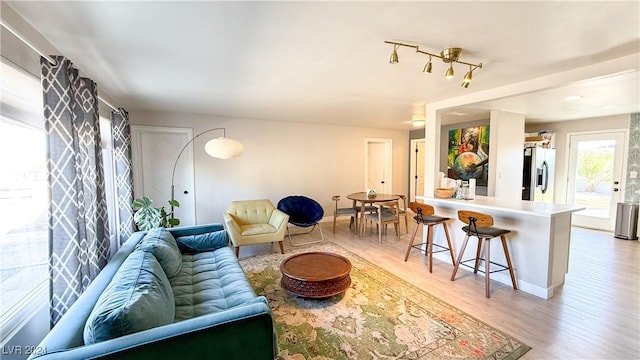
(326, 62)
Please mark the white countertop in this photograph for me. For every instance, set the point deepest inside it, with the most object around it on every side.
(508, 205)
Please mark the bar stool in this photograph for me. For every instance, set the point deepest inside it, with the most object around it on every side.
(480, 226)
(425, 217)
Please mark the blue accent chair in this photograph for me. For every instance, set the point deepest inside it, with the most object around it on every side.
(303, 212)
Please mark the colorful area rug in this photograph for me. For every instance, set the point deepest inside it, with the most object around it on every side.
(379, 317)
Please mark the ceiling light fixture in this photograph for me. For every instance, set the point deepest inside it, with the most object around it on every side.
(418, 122)
(449, 56)
(573, 98)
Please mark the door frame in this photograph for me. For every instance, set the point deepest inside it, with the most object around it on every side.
(413, 164)
(186, 162)
(622, 181)
(388, 161)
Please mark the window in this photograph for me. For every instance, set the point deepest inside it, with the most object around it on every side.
(108, 163)
(24, 199)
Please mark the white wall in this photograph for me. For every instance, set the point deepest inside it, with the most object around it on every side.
(280, 159)
(505, 158)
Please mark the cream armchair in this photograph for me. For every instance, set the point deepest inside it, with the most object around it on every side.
(252, 222)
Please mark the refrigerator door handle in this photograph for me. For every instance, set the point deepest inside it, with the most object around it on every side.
(545, 176)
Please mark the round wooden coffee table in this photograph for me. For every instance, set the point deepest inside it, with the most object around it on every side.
(316, 274)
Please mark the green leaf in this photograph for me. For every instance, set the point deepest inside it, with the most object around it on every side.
(141, 203)
(147, 218)
(174, 222)
(174, 203)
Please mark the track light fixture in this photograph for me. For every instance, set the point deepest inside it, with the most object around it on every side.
(449, 56)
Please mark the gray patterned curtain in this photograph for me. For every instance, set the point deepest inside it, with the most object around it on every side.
(121, 134)
(78, 230)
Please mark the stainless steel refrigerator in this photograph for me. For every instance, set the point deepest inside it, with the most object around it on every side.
(538, 173)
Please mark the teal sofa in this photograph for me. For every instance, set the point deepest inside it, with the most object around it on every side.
(167, 294)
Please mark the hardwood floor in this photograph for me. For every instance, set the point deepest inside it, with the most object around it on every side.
(595, 315)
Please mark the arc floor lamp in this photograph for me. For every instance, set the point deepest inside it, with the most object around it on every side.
(221, 148)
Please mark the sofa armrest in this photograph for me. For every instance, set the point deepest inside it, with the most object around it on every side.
(278, 219)
(243, 332)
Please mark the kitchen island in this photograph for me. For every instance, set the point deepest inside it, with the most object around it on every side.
(538, 242)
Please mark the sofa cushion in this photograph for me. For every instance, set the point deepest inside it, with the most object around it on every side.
(163, 246)
(210, 282)
(139, 297)
(203, 242)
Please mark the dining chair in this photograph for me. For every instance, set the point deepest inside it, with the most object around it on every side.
(402, 211)
(387, 213)
(348, 211)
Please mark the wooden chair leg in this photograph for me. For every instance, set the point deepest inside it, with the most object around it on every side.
(506, 255)
(415, 231)
(281, 243)
(457, 263)
(430, 246)
(478, 252)
(237, 251)
(487, 268)
(446, 233)
(334, 224)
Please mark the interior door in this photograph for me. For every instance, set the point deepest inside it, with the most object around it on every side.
(595, 177)
(154, 152)
(378, 165)
(416, 172)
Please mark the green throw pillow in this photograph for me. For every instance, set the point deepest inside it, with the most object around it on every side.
(139, 297)
(163, 246)
(203, 242)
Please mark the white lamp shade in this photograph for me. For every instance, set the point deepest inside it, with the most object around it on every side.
(223, 148)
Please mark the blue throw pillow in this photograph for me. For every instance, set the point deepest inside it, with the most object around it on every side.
(139, 297)
(163, 246)
(203, 242)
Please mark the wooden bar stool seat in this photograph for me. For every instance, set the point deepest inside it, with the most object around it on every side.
(481, 226)
(425, 217)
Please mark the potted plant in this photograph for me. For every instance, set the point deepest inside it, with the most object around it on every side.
(148, 217)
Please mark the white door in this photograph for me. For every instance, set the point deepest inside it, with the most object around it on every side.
(595, 177)
(378, 165)
(154, 153)
(417, 169)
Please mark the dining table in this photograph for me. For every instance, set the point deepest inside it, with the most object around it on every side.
(362, 198)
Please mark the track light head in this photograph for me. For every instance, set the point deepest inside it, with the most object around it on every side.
(465, 84)
(467, 77)
(394, 55)
(450, 73)
(427, 67)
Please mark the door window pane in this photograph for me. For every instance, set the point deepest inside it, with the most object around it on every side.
(594, 169)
